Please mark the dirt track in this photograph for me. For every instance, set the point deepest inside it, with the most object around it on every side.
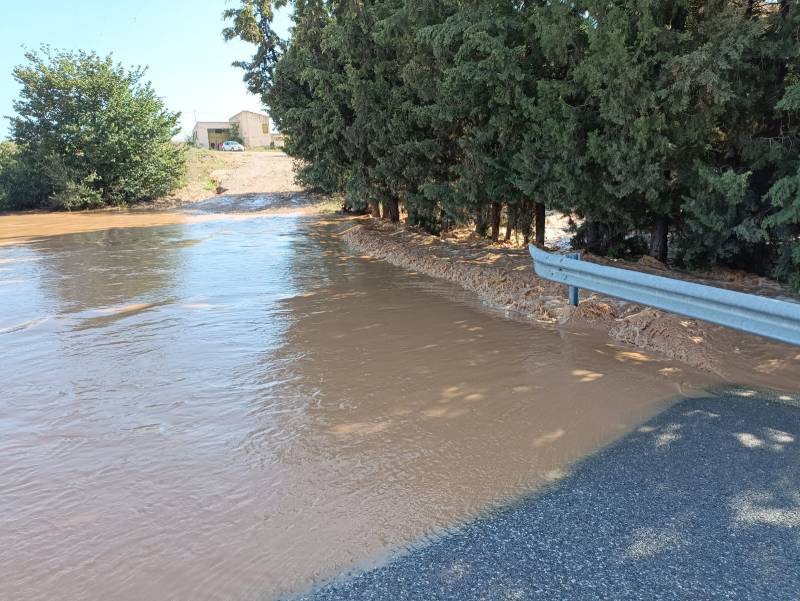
(236, 173)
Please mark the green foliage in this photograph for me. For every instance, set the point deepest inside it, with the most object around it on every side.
(74, 195)
(652, 123)
(10, 172)
(88, 132)
(783, 221)
(716, 214)
(482, 92)
(7, 166)
(252, 23)
(784, 225)
(308, 104)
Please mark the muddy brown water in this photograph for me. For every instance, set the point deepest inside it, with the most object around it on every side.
(238, 408)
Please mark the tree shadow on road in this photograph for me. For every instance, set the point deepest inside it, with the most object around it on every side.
(703, 502)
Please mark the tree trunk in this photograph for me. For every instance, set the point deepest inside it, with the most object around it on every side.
(481, 221)
(759, 259)
(509, 223)
(596, 238)
(411, 215)
(540, 221)
(375, 210)
(348, 208)
(497, 209)
(391, 209)
(658, 247)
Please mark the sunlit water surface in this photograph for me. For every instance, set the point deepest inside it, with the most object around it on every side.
(239, 408)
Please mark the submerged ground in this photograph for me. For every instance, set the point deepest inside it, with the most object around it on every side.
(224, 401)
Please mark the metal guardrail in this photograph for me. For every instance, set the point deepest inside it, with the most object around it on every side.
(768, 317)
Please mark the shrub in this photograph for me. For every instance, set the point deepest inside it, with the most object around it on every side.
(18, 182)
(7, 166)
(88, 132)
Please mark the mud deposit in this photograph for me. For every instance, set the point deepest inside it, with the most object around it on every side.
(234, 406)
(503, 278)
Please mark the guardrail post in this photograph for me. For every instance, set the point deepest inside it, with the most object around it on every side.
(770, 317)
(574, 290)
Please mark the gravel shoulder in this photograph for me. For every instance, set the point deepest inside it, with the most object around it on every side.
(702, 502)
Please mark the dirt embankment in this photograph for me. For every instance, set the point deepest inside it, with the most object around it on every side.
(502, 276)
(210, 173)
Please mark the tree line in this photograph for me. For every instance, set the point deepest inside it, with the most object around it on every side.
(664, 126)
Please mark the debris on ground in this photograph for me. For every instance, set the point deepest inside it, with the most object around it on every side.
(501, 275)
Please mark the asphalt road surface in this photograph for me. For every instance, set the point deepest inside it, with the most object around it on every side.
(701, 503)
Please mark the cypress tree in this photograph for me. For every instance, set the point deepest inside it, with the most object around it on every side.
(671, 122)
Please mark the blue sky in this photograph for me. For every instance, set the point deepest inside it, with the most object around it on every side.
(178, 40)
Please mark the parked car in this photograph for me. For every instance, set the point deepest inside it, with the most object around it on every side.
(231, 146)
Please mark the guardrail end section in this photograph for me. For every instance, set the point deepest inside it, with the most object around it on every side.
(540, 256)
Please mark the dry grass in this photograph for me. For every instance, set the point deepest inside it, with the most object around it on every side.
(199, 181)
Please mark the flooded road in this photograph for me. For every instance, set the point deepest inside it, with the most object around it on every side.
(237, 408)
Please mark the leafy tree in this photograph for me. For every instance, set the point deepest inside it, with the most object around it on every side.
(15, 180)
(92, 131)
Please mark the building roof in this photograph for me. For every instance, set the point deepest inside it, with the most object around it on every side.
(211, 124)
(251, 112)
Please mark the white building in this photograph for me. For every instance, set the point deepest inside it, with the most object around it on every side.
(255, 130)
(206, 133)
